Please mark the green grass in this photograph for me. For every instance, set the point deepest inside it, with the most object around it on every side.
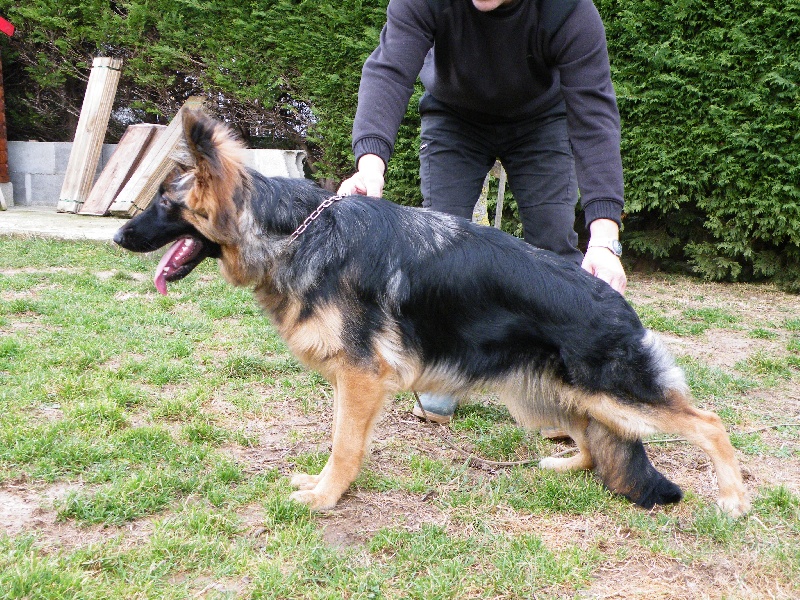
(690, 322)
(158, 435)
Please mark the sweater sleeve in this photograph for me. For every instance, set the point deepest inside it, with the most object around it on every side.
(581, 56)
(389, 74)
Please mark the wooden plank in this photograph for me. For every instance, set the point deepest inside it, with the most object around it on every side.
(89, 135)
(154, 167)
(127, 156)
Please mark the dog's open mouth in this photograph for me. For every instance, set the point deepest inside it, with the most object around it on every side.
(181, 258)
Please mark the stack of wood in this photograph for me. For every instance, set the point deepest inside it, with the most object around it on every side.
(141, 161)
(127, 157)
(155, 165)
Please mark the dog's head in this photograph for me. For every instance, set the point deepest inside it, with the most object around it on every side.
(195, 207)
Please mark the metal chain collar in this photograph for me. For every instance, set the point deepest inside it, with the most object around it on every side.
(313, 216)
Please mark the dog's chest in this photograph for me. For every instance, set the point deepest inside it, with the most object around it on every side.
(313, 338)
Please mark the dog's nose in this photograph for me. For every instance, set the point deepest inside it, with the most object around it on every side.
(119, 236)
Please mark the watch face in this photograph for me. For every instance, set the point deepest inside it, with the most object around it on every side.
(616, 247)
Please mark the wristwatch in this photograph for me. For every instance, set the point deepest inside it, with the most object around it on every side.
(610, 243)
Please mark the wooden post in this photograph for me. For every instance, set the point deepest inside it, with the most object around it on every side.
(5, 180)
(499, 172)
(154, 167)
(88, 142)
(133, 145)
(480, 213)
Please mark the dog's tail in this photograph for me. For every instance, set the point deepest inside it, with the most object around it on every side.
(623, 466)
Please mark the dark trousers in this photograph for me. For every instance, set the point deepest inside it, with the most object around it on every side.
(456, 153)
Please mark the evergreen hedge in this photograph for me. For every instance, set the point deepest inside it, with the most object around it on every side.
(708, 94)
(710, 99)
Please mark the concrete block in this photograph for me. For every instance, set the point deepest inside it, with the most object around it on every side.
(105, 155)
(31, 157)
(18, 181)
(37, 169)
(62, 150)
(37, 189)
(276, 163)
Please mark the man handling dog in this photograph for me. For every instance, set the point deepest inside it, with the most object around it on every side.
(523, 81)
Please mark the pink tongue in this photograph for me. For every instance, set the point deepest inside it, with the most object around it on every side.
(173, 258)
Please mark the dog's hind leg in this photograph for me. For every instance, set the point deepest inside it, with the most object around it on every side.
(359, 397)
(623, 466)
(676, 415)
(705, 430)
(538, 399)
(582, 461)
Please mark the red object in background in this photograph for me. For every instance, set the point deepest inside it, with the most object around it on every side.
(6, 27)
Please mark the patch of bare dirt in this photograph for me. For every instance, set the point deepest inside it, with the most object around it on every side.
(721, 348)
(23, 507)
(356, 520)
(28, 508)
(656, 577)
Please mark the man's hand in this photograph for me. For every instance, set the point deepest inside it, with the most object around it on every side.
(602, 262)
(368, 180)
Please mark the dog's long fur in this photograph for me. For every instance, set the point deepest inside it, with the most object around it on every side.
(381, 298)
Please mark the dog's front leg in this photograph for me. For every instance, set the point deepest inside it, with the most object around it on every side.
(358, 398)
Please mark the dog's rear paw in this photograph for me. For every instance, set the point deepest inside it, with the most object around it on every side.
(734, 505)
(302, 481)
(314, 500)
(580, 462)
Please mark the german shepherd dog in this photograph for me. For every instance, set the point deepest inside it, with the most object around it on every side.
(381, 298)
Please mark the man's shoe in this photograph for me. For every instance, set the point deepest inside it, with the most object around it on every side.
(438, 408)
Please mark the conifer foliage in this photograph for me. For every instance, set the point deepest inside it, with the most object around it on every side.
(709, 93)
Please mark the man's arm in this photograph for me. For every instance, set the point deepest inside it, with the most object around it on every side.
(579, 49)
(387, 82)
(580, 53)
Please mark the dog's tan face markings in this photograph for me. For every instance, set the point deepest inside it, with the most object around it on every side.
(211, 184)
(206, 189)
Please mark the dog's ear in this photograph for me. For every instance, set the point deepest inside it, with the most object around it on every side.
(212, 144)
(217, 156)
(198, 131)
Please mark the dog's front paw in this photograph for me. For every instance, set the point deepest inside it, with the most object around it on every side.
(314, 500)
(734, 505)
(303, 481)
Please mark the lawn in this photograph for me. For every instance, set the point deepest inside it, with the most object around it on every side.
(146, 445)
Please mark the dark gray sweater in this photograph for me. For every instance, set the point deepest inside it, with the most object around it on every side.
(505, 65)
